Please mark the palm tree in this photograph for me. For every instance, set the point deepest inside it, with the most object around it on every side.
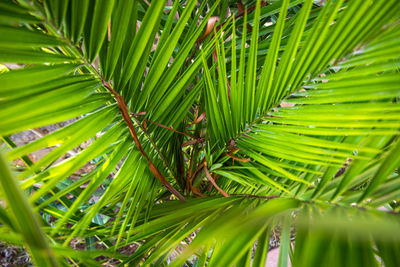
(214, 127)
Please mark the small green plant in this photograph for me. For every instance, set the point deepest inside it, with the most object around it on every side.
(211, 124)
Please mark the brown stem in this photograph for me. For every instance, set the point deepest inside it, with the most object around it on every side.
(197, 170)
(209, 177)
(143, 128)
(193, 141)
(199, 118)
(211, 185)
(125, 114)
(190, 164)
(210, 26)
(171, 129)
(233, 157)
(124, 111)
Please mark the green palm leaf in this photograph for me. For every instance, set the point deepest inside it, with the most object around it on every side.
(288, 108)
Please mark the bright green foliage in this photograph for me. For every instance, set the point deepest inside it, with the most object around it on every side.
(290, 109)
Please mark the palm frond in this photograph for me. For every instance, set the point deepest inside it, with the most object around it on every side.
(289, 109)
